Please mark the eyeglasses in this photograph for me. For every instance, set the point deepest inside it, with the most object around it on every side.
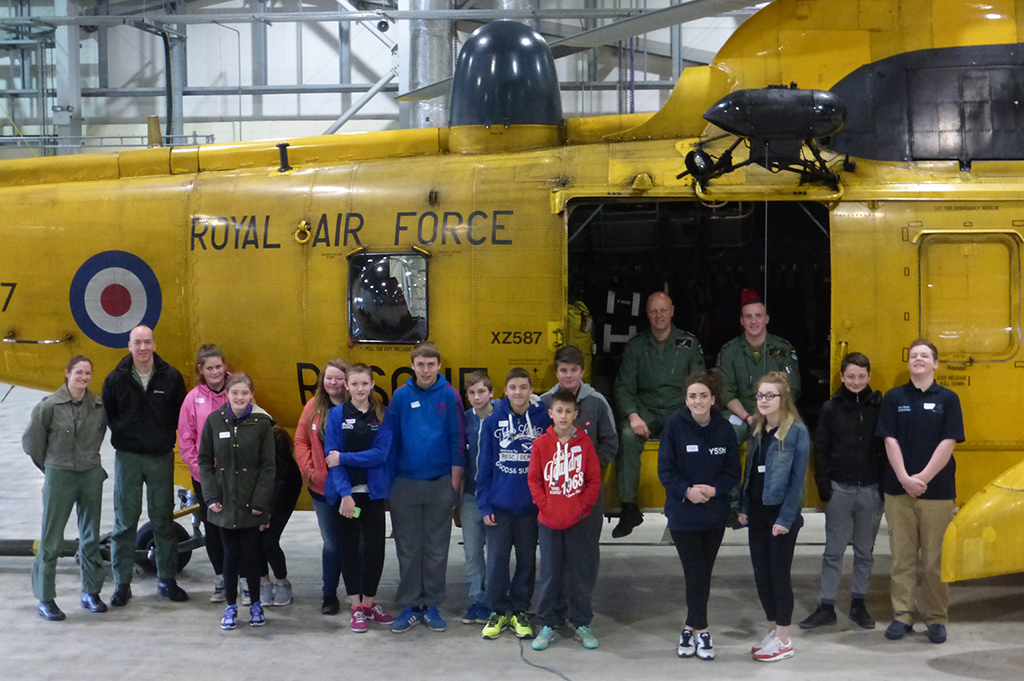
(766, 397)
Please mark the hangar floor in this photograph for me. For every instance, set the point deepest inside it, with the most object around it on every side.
(638, 604)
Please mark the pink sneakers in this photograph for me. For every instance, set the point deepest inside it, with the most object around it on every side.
(358, 624)
(377, 614)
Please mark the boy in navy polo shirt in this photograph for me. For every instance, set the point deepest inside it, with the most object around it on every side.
(426, 464)
(921, 423)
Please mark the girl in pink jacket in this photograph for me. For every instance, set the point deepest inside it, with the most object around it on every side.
(207, 397)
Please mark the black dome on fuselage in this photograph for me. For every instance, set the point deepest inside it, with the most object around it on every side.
(505, 75)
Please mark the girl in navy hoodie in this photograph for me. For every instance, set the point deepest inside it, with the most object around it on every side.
(357, 442)
(699, 464)
(503, 494)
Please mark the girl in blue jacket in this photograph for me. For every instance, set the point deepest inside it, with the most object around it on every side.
(699, 464)
(357, 441)
(772, 495)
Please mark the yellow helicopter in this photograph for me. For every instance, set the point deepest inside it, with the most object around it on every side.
(874, 201)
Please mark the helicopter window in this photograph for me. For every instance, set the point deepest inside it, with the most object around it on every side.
(388, 298)
(970, 300)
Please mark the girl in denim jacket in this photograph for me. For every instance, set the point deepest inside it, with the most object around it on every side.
(773, 490)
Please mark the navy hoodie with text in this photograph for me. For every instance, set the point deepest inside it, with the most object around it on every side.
(506, 441)
(691, 454)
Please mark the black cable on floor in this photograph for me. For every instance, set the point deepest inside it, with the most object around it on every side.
(541, 667)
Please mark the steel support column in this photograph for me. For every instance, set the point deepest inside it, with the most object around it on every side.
(67, 104)
(428, 59)
(259, 55)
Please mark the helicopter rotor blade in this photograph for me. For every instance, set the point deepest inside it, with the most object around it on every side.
(620, 30)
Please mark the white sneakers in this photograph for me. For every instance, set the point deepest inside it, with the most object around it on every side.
(774, 650)
(699, 646)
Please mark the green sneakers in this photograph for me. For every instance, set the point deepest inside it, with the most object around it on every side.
(496, 624)
(520, 623)
(544, 639)
(586, 637)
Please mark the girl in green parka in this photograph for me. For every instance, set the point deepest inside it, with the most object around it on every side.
(236, 462)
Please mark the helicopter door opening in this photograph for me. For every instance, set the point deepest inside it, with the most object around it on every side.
(703, 256)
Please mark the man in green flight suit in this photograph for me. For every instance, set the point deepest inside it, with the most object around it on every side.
(649, 389)
(746, 358)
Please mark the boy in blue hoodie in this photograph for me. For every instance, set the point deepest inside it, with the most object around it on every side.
(506, 504)
(480, 392)
(426, 463)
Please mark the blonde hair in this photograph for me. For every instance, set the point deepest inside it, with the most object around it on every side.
(787, 409)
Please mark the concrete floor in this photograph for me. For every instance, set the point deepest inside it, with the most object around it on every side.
(639, 609)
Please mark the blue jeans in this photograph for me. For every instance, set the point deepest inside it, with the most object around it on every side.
(473, 544)
(564, 567)
(329, 520)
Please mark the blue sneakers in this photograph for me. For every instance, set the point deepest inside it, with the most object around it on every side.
(256, 616)
(230, 620)
(406, 620)
(477, 613)
(432, 618)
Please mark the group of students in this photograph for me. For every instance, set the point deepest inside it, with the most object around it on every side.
(524, 472)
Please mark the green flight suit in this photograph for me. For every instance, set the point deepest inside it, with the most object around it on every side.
(63, 438)
(650, 384)
(741, 366)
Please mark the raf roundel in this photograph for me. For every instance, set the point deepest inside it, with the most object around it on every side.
(112, 293)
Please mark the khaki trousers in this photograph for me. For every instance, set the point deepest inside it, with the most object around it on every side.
(916, 528)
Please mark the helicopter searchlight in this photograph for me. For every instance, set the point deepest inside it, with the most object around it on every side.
(776, 122)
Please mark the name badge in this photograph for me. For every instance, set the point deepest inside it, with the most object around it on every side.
(313, 426)
(692, 448)
(760, 469)
(225, 435)
(415, 405)
(200, 400)
(929, 406)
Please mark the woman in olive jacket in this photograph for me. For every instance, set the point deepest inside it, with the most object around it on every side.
(236, 462)
(63, 438)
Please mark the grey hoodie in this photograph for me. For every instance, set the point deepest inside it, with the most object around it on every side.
(596, 419)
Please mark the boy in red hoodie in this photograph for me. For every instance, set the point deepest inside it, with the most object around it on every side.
(565, 481)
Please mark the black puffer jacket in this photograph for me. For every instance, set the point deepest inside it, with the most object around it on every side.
(846, 448)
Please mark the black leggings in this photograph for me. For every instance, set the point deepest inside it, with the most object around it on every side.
(772, 558)
(241, 553)
(214, 549)
(697, 552)
(270, 546)
(362, 547)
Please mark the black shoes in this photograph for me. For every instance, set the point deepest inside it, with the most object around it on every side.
(92, 602)
(50, 612)
(122, 594)
(629, 518)
(936, 633)
(825, 614)
(859, 615)
(331, 605)
(170, 589)
(898, 630)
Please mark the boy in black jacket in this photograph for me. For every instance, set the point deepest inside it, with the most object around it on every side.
(850, 461)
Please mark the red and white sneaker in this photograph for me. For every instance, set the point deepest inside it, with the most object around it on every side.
(775, 650)
(764, 641)
(377, 614)
(358, 624)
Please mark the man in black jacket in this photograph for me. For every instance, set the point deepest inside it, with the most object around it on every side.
(142, 397)
(850, 462)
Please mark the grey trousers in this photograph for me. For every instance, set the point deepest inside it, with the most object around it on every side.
(853, 514)
(421, 517)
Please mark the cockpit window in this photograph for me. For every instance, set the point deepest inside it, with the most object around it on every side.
(387, 298)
